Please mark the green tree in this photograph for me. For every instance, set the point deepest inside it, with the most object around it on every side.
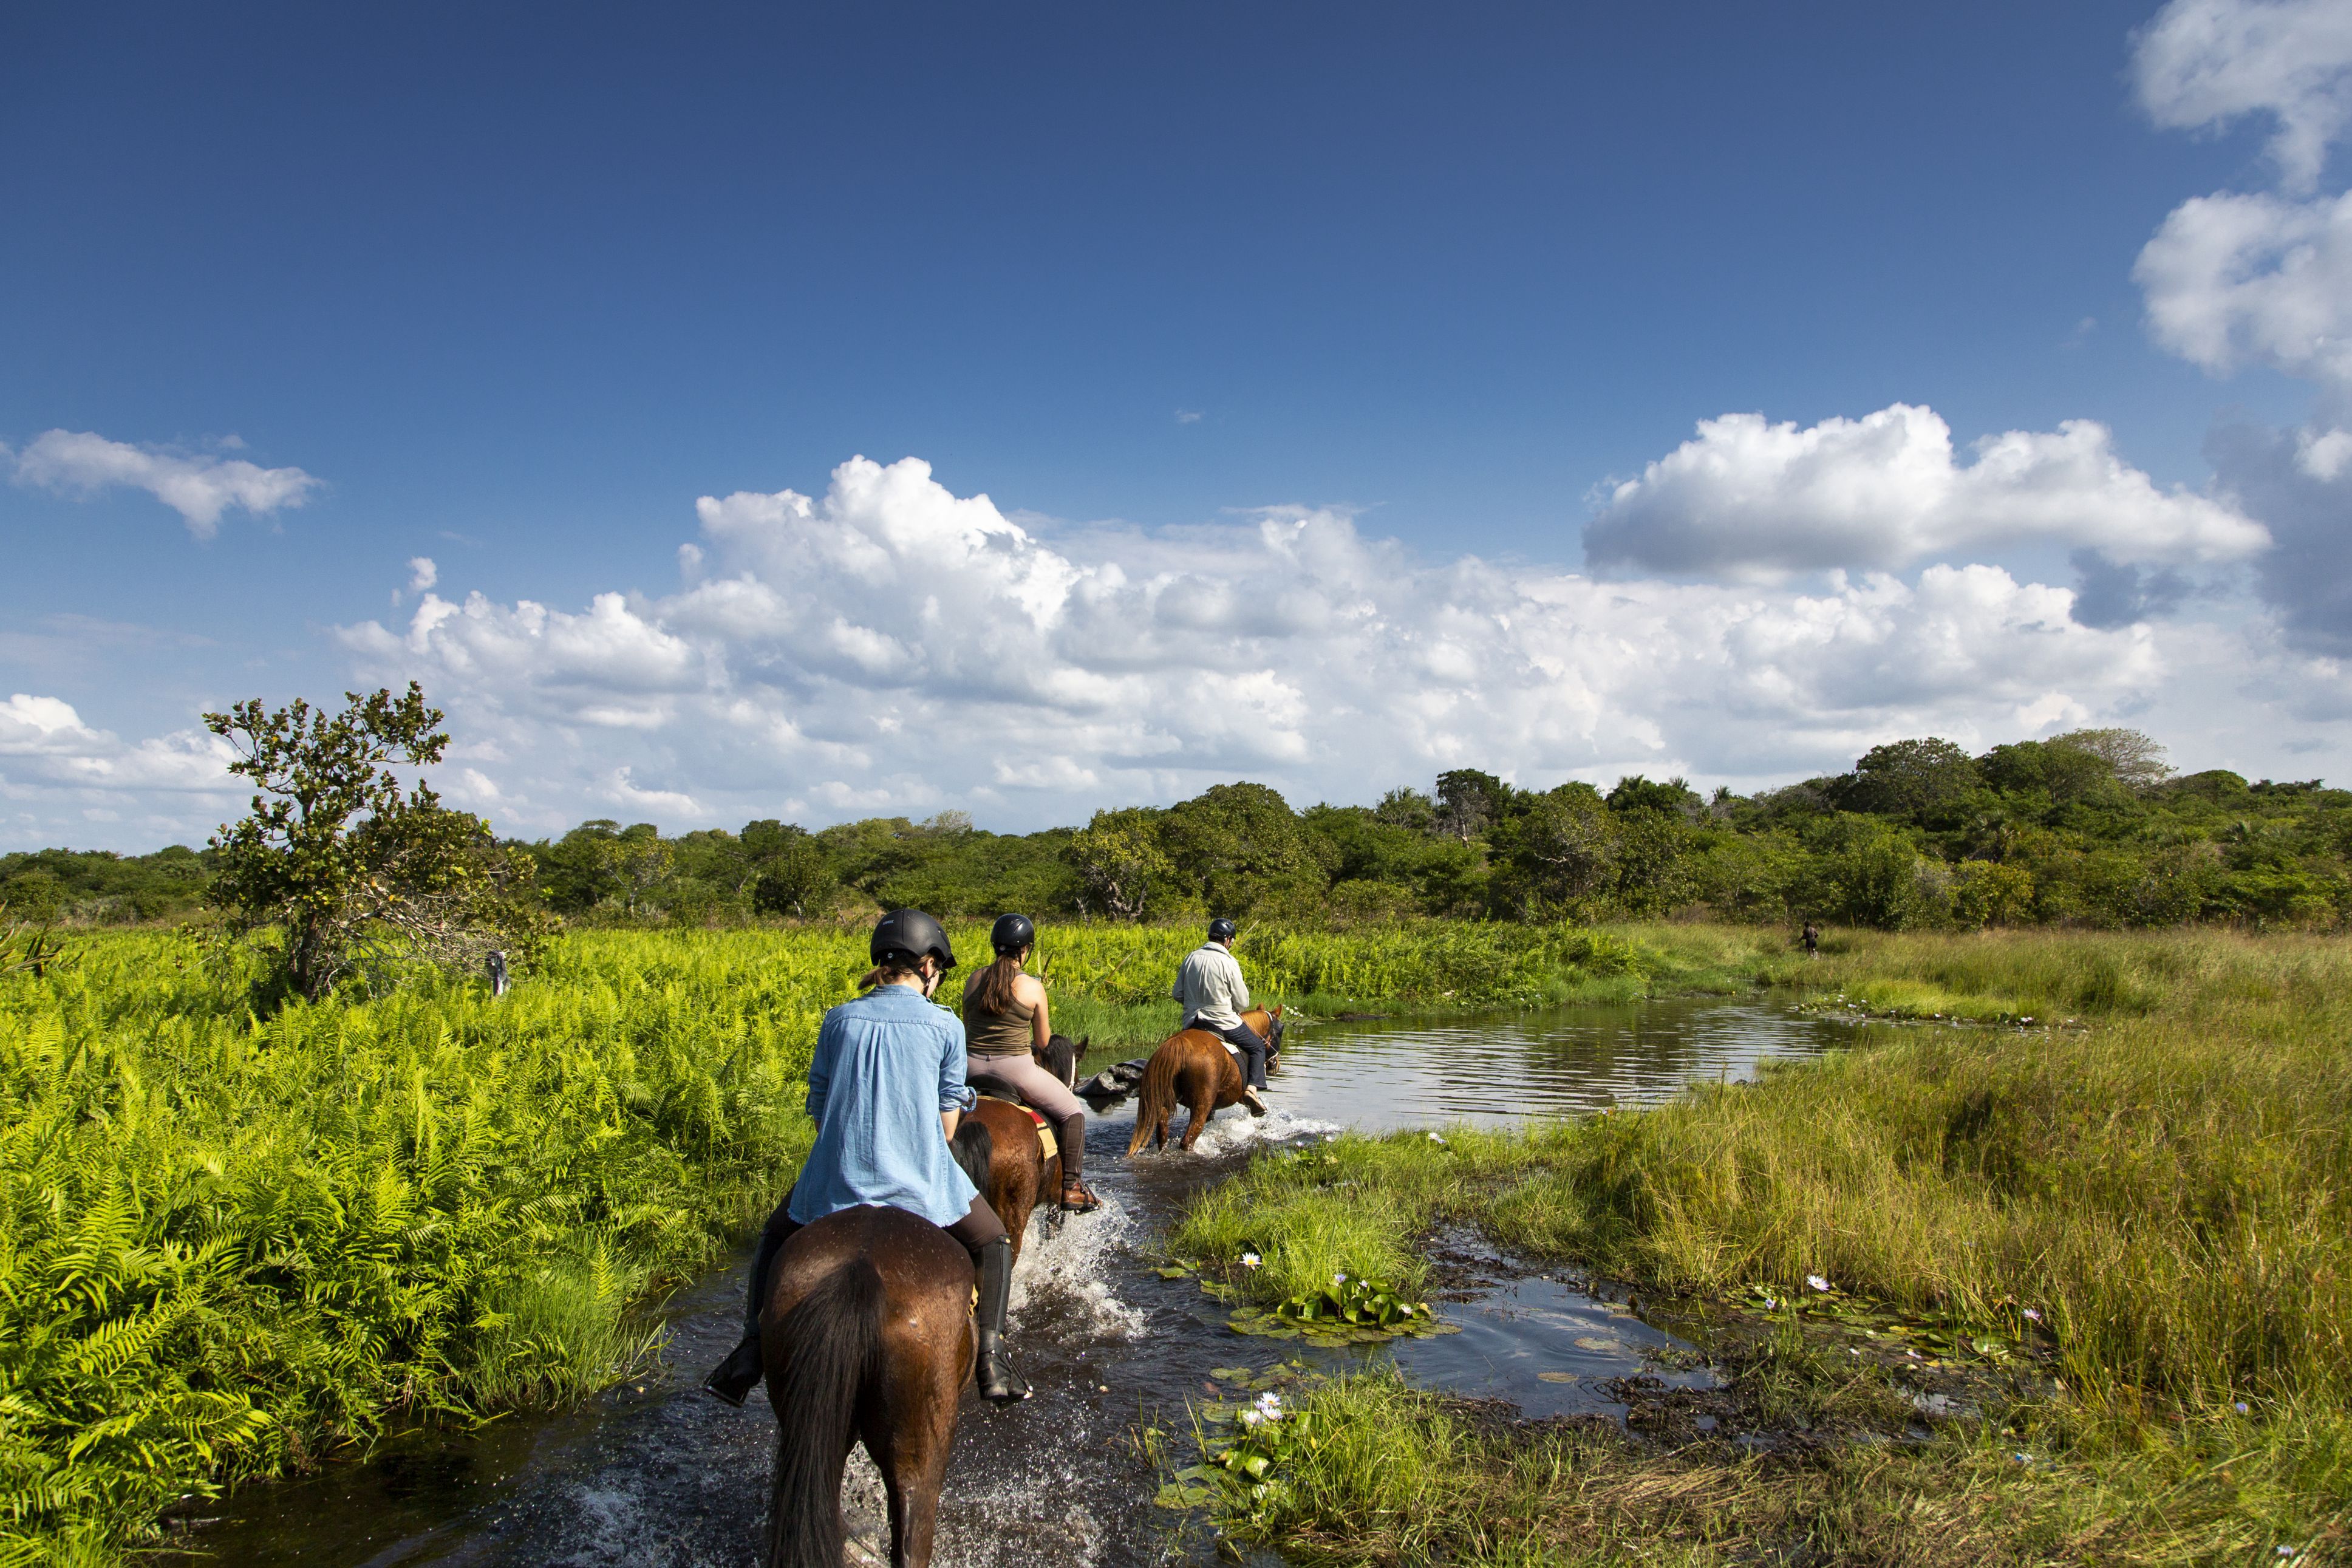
(1239, 847)
(1913, 779)
(1674, 797)
(1120, 862)
(348, 866)
(794, 876)
(1470, 802)
(1556, 853)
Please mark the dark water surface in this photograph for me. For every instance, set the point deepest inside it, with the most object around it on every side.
(656, 1473)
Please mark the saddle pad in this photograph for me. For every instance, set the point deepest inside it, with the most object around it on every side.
(1046, 1140)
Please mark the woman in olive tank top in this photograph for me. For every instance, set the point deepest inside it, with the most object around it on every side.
(1004, 1017)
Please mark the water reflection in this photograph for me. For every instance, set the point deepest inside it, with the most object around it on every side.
(1378, 1074)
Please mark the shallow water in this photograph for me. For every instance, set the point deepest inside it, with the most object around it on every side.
(656, 1473)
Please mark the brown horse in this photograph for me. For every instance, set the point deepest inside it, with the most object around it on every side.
(1192, 1065)
(1020, 1176)
(867, 1335)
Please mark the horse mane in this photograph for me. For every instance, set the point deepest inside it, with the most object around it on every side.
(1061, 1057)
(833, 1339)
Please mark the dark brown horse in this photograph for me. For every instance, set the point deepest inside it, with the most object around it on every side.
(1193, 1067)
(1020, 1176)
(867, 1335)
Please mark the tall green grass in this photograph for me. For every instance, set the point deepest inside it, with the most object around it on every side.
(2171, 1186)
(235, 1242)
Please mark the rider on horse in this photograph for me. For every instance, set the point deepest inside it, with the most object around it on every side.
(885, 1089)
(1214, 996)
(1005, 1018)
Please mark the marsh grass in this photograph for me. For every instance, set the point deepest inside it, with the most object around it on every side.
(2170, 1188)
(1407, 1477)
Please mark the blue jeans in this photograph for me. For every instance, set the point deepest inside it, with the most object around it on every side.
(1253, 1049)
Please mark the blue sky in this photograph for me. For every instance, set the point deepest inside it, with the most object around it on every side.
(514, 292)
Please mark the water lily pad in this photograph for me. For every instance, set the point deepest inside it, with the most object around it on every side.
(1556, 1378)
(1598, 1342)
(1175, 1271)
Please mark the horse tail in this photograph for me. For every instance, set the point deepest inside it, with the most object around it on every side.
(1155, 1097)
(974, 1148)
(833, 1339)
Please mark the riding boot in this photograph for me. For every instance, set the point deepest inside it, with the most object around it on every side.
(996, 1377)
(733, 1379)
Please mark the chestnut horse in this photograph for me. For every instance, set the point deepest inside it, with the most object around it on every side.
(1192, 1065)
(1020, 1177)
(867, 1336)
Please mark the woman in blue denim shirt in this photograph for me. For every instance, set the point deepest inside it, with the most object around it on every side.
(885, 1089)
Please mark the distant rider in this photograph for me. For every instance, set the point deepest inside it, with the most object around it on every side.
(1213, 994)
(1004, 1018)
(885, 1089)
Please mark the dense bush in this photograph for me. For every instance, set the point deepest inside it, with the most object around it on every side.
(2085, 829)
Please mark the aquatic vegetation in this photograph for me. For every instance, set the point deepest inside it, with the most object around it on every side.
(2168, 1189)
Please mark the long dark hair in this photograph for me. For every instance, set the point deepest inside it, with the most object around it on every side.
(991, 989)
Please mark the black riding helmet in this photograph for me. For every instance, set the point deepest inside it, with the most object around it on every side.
(1011, 933)
(1223, 930)
(912, 933)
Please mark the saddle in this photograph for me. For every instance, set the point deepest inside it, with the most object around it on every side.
(1045, 1139)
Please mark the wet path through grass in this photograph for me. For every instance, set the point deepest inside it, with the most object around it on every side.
(656, 1473)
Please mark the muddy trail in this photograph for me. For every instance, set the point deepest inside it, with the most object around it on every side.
(655, 1472)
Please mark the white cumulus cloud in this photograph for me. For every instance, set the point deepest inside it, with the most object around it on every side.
(1748, 498)
(43, 744)
(890, 645)
(2233, 279)
(422, 573)
(198, 488)
(2203, 64)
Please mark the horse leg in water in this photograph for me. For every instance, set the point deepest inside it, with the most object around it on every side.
(908, 1431)
(866, 1333)
(1199, 1084)
(1014, 1154)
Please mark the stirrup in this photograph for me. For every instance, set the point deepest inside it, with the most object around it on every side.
(1087, 1202)
(733, 1379)
(998, 1383)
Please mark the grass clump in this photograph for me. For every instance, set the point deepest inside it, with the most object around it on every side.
(2169, 1190)
(1389, 1475)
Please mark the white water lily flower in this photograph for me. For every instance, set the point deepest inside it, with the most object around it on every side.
(1270, 1401)
(1817, 1282)
(1435, 1138)
(1250, 1417)
(1339, 1279)
(1251, 1261)
(2032, 1316)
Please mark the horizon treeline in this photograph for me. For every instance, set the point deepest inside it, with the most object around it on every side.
(2088, 829)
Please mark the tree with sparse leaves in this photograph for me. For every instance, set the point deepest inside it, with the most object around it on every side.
(350, 866)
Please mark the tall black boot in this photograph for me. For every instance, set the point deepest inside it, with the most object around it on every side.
(733, 1379)
(997, 1380)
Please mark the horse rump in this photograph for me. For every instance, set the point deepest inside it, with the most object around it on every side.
(830, 1342)
(1155, 1100)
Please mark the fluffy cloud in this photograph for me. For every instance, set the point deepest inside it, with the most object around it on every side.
(891, 645)
(2203, 64)
(1750, 498)
(198, 488)
(46, 750)
(2232, 280)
